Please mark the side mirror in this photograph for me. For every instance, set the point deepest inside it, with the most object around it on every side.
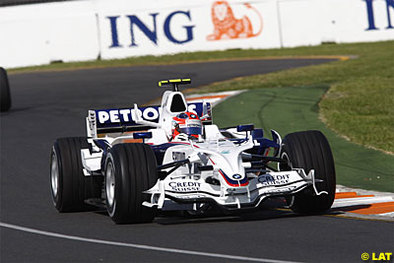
(142, 135)
(245, 128)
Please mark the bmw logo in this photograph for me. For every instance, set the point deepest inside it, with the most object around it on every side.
(237, 176)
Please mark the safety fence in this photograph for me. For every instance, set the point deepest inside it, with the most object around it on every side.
(86, 30)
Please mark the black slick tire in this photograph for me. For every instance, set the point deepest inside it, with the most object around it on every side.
(69, 186)
(310, 150)
(130, 169)
(5, 94)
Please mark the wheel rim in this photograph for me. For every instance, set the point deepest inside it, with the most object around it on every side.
(110, 184)
(54, 175)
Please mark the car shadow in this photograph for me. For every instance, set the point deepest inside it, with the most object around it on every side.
(270, 209)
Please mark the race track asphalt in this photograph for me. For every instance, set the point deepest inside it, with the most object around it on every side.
(49, 105)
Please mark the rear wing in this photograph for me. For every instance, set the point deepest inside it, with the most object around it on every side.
(123, 120)
(174, 83)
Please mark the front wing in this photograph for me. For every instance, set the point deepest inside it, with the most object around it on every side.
(190, 190)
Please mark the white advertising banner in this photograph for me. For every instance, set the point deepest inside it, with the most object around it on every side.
(357, 20)
(299, 22)
(42, 33)
(84, 30)
(186, 26)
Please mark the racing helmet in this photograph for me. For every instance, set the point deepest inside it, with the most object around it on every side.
(187, 123)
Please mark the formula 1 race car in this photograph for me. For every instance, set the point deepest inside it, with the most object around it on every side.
(136, 161)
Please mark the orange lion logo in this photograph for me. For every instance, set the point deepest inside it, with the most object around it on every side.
(227, 26)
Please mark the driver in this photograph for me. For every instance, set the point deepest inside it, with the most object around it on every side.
(186, 125)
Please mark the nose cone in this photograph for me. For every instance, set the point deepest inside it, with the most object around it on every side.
(235, 180)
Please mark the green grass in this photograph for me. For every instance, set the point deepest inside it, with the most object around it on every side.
(293, 109)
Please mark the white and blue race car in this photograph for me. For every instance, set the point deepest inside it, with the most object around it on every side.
(136, 161)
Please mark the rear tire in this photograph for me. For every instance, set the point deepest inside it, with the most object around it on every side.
(5, 95)
(69, 186)
(310, 150)
(130, 169)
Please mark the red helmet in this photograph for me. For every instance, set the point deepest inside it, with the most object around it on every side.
(188, 123)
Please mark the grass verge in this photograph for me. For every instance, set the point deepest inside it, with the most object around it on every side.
(295, 109)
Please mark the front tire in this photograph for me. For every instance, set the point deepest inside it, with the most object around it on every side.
(130, 169)
(310, 150)
(5, 94)
(69, 186)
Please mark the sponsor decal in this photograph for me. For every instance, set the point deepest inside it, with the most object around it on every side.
(370, 14)
(126, 115)
(279, 179)
(237, 176)
(281, 190)
(184, 186)
(227, 26)
(235, 183)
(191, 196)
(118, 117)
(149, 28)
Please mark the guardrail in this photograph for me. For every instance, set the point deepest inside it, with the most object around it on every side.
(85, 30)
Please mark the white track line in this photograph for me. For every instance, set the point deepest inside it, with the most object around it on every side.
(121, 244)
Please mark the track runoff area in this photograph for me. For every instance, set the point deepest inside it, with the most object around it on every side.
(350, 202)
